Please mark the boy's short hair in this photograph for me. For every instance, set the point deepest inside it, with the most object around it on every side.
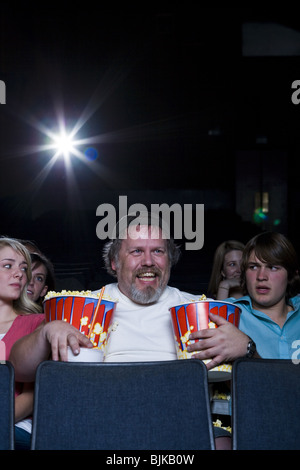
(274, 249)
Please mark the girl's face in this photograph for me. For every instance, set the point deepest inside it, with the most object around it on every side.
(37, 287)
(13, 273)
(232, 264)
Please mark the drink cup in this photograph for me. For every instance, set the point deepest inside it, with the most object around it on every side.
(86, 355)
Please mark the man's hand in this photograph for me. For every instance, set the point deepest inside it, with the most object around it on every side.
(60, 335)
(223, 344)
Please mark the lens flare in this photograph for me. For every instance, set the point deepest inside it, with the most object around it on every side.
(91, 154)
(64, 144)
(62, 141)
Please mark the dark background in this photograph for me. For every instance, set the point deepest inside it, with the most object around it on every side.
(188, 106)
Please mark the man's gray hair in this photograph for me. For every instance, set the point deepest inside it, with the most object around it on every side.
(112, 248)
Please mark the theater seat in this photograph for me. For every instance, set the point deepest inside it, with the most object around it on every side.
(121, 406)
(7, 412)
(266, 404)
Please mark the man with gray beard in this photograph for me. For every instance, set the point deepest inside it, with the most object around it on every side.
(140, 256)
(141, 260)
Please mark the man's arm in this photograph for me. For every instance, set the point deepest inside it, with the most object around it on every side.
(48, 340)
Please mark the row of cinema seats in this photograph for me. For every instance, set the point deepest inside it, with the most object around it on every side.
(155, 406)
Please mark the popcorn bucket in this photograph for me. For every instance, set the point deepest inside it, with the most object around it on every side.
(194, 316)
(80, 311)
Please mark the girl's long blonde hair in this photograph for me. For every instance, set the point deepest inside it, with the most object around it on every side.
(23, 304)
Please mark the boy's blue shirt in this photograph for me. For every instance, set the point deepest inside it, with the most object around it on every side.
(272, 342)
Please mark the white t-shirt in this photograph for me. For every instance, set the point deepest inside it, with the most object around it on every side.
(143, 333)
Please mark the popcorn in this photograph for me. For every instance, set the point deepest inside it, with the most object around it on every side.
(84, 293)
(72, 293)
(203, 297)
(218, 424)
(114, 326)
(221, 395)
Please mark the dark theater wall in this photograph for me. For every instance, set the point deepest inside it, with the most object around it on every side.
(180, 106)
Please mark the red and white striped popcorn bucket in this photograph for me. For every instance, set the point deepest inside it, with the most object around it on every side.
(194, 316)
(80, 311)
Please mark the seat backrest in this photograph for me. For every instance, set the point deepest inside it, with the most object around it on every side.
(7, 411)
(266, 404)
(111, 406)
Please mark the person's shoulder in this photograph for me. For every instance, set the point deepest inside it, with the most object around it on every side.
(30, 321)
(182, 295)
(108, 288)
(295, 301)
(111, 291)
(240, 300)
(244, 303)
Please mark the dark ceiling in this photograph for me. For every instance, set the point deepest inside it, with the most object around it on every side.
(161, 88)
(167, 98)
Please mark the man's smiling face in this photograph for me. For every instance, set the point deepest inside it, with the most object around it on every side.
(143, 267)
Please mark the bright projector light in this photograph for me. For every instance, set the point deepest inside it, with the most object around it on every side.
(64, 144)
